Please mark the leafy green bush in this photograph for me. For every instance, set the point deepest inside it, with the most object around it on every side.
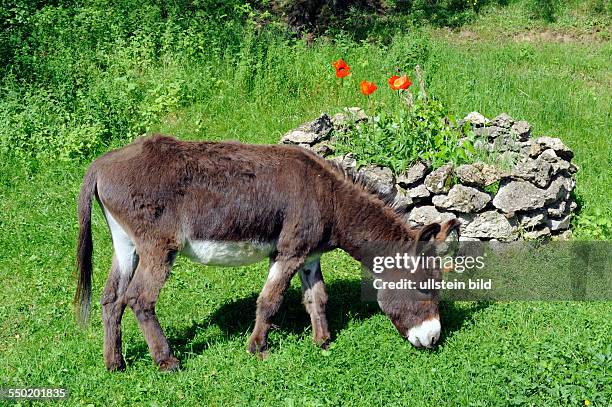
(398, 139)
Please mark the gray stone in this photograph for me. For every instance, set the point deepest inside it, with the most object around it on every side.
(536, 233)
(559, 189)
(424, 215)
(462, 199)
(323, 149)
(491, 132)
(557, 163)
(419, 192)
(348, 116)
(537, 171)
(505, 142)
(488, 225)
(438, 181)
(519, 196)
(311, 132)
(522, 130)
(402, 201)
(531, 220)
(564, 236)
(503, 120)
(573, 168)
(476, 119)
(413, 174)
(559, 224)
(379, 177)
(347, 161)
(544, 143)
(561, 208)
(478, 174)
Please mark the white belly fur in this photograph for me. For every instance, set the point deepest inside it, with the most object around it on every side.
(215, 253)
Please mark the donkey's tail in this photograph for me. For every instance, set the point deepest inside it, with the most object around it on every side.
(85, 247)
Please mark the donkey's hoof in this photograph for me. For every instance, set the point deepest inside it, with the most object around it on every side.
(115, 365)
(324, 344)
(259, 349)
(171, 364)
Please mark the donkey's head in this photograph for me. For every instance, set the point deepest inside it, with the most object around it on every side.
(413, 306)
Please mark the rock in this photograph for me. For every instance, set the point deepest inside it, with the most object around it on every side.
(522, 130)
(323, 148)
(559, 224)
(488, 225)
(505, 142)
(544, 143)
(348, 116)
(300, 137)
(537, 171)
(424, 215)
(503, 120)
(439, 180)
(536, 233)
(557, 163)
(462, 199)
(491, 132)
(413, 174)
(419, 192)
(476, 119)
(402, 201)
(379, 177)
(519, 196)
(478, 174)
(573, 168)
(559, 189)
(532, 219)
(564, 236)
(347, 161)
(561, 208)
(311, 132)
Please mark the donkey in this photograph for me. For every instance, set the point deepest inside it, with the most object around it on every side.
(229, 204)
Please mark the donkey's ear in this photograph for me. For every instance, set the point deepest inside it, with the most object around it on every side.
(428, 232)
(449, 230)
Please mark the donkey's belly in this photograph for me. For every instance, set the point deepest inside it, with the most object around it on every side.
(227, 253)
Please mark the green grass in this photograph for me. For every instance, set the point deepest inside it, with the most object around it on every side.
(521, 353)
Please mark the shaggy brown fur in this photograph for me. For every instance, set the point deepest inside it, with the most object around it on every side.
(163, 192)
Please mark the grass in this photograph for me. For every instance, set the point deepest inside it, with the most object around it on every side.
(517, 353)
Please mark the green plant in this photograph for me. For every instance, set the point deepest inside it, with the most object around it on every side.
(595, 226)
(415, 129)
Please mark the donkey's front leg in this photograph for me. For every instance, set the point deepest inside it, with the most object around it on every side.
(315, 300)
(270, 299)
(141, 296)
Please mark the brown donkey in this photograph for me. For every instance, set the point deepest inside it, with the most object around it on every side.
(231, 204)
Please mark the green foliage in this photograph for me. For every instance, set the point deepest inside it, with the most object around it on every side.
(595, 226)
(544, 9)
(397, 139)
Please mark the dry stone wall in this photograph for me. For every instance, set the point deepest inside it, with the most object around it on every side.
(531, 198)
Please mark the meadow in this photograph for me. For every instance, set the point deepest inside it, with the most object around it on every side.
(78, 80)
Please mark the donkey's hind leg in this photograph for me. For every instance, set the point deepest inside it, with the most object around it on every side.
(142, 294)
(112, 313)
(315, 300)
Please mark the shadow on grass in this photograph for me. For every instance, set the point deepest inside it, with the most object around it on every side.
(237, 318)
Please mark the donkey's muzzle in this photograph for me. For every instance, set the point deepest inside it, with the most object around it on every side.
(426, 334)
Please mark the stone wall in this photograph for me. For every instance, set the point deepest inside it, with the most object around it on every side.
(530, 198)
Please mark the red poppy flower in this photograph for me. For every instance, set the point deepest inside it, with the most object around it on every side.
(391, 81)
(342, 69)
(367, 88)
(403, 82)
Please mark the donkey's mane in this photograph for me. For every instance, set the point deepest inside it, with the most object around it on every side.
(359, 179)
